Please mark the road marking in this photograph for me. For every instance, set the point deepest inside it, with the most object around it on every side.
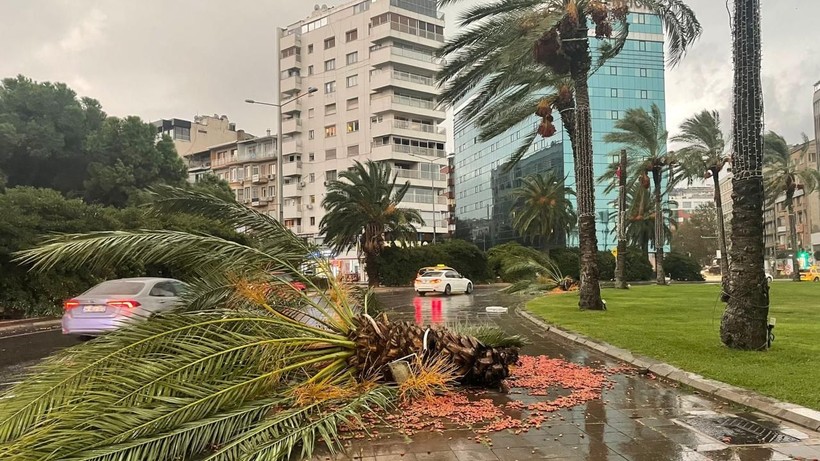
(29, 333)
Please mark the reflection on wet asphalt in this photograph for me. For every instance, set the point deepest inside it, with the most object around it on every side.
(640, 418)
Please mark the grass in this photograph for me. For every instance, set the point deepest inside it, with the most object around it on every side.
(679, 324)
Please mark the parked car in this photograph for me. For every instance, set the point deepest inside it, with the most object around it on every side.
(442, 281)
(113, 303)
(812, 274)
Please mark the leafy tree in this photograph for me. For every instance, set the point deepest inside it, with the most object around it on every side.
(43, 129)
(783, 177)
(643, 136)
(745, 321)
(704, 156)
(126, 158)
(238, 372)
(362, 209)
(542, 209)
(493, 55)
(695, 236)
(211, 184)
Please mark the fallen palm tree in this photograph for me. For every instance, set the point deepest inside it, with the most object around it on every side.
(236, 372)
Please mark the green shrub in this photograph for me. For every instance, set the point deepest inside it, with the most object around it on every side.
(682, 267)
(568, 261)
(398, 265)
(606, 265)
(638, 267)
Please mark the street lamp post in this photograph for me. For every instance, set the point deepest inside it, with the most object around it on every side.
(432, 190)
(280, 203)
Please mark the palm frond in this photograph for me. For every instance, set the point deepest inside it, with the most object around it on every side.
(680, 23)
(490, 335)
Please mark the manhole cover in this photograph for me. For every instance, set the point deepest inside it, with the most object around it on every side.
(738, 431)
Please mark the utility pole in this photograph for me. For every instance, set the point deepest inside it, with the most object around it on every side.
(620, 259)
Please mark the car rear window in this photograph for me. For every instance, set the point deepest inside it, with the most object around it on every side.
(432, 274)
(116, 287)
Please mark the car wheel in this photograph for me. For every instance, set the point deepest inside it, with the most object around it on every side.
(817, 279)
(447, 290)
(84, 338)
(420, 293)
(469, 288)
(769, 279)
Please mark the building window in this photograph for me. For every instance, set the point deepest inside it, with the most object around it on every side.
(330, 175)
(182, 133)
(640, 18)
(352, 150)
(351, 35)
(353, 80)
(310, 70)
(311, 157)
(613, 70)
(330, 109)
(330, 87)
(614, 115)
(312, 177)
(641, 45)
(330, 43)
(352, 103)
(330, 131)
(352, 58)
(613, 92)
(353, 126)
(644, 73)
(311, 134)
(330, 154)
(310, 48)
(313, 220)
(644, 94)
(311, 112)
(330, 64)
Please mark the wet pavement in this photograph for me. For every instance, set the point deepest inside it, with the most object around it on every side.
(639, 418)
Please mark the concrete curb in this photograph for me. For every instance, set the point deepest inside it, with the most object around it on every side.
(29, 325)
(790, 412)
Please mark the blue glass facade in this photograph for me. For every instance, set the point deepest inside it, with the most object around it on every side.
(635, 78)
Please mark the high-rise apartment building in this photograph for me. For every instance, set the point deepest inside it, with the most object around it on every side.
(635, 78)
(816, 107)
(374, 67)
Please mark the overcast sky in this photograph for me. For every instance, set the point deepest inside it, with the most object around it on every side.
(161, 59)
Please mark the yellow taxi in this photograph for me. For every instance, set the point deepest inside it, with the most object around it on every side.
(812, 274)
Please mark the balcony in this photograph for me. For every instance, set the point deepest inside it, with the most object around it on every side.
(408, 129)
(424, 199)
(291, 125)
(295, 229)
(399, 152)
(291, 40)
(406, 33)
(381, 103)
(292, 146)
(293, 211)
(259, 179)
(246, 158)
(291, 190)
(418, 174)
(292, 84)
(292, 107)
(292, 168)
(293, 61)
(383, 54)
(400, 79)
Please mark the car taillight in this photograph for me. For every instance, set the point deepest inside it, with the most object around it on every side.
(70, 304)
(124, 303)
(435, 280)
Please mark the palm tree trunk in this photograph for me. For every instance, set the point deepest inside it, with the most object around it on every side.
(793, 242)
(371, 267)
(620, 263)
(590, 290)
(721, 229)
(660, 275)
(745, 320)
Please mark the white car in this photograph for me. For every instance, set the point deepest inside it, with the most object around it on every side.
(444, 281)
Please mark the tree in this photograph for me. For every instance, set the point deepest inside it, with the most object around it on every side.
(696, 236)
(211, 184)
(644, 137)
(542, 209)
(640, 220)
(125, 158)
(236, 372)
(745, 320)
(783, 177)
(363, 209)
(494, 55)
(703, 156)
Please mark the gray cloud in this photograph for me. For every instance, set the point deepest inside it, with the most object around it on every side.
(177, 59)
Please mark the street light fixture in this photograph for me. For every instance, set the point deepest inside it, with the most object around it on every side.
(279, 160)
(432, 189)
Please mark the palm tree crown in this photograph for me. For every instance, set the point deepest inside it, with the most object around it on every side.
(543, 209)
(362, 207)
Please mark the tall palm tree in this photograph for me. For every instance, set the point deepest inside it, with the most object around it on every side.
(643, 135)
(362, 208)
(640, 219)
(236, 372)
(543, 210)
(745, 321)
(783, 177)
(493, 57)
(703, 156)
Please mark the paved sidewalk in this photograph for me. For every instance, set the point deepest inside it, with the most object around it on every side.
(639, 418)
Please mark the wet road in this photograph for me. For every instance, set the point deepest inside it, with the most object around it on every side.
(637, 419)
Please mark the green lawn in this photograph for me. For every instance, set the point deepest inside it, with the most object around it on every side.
(679, 324)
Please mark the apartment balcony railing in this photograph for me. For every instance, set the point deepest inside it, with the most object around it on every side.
(245, 158)
(418, 174)
(413, 78)
(421, 127)
(424, 199)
